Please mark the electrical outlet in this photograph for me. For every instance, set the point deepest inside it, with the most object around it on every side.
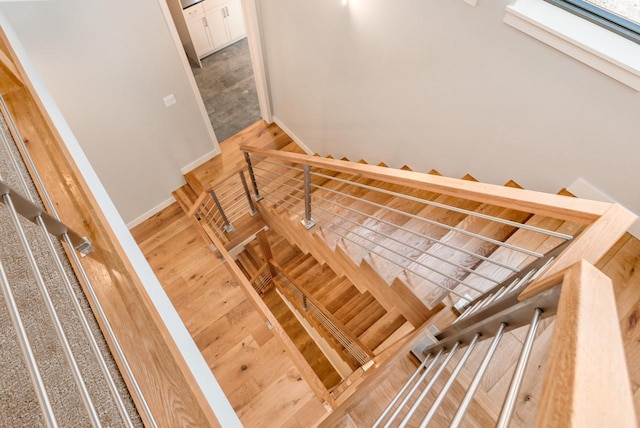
(169, 100)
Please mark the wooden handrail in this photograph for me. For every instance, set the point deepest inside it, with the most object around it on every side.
(557, 206)
(322, 309)
(586, 383)
(167, 384)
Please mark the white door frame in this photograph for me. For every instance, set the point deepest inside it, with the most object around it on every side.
(254, 38)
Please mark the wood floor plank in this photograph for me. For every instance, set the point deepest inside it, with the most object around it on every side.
(229, 333)
(264, 386)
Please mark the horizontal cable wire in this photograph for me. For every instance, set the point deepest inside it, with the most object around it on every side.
(444, 226)
(460, 282)
(228, 203)
(269, 186)
(470, 271)
(290, 196)
(281, 183)
(344, 340)
(282, 165)
(273, 173)
(393, 261)
(347, 343)
(428, 238)
(368, 249)
(412, 260)
(456, 209)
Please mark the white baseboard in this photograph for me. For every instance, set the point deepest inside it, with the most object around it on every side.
(292, 135)
(583, 189)
(162, 205)
(202, 159)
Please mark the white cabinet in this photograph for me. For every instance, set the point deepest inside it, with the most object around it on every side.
(214, 24)
(197, 25)
(235, 20)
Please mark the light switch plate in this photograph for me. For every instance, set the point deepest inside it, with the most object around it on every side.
(169, 100)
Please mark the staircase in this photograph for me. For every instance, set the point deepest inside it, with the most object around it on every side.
(360, 313)
(385, 253)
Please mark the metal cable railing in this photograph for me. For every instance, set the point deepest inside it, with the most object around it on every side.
(373, 250)
(347, 212)
(226, 204)
(306, 304)
(28, 207)
(417, 403)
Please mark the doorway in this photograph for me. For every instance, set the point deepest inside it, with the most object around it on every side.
(221, 39)
(228, 89)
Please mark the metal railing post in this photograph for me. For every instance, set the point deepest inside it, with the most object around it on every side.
(253, 211)
(62, 337)
(307, 221)
(27, 352)
(228, 227)
(83, 246)
(256, 194)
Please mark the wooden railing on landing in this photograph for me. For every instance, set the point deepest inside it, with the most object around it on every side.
(587, 382)
(167, 384)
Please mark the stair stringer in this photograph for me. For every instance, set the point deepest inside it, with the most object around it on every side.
(363, 276)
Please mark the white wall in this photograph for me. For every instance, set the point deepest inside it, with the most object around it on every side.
(440, 84)
(108, 65)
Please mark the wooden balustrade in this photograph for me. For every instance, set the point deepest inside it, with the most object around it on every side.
(166, 382)
(586, 382)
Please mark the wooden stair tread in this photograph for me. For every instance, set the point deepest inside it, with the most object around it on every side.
(304, 263)
(354, 306)
(363, 320)
(382, 328)
(336, 290)
(401, 241)
(316, 278)
(373, 229)
(342, 292)
(185, 196)
(305, 344)
(432, 295)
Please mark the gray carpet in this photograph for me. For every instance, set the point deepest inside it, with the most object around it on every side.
(228, 89)
(18, 404)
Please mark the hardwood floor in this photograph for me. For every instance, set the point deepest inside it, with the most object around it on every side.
(256, 373)
(253, 369)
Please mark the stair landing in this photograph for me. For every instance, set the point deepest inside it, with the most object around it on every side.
(260, 134)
